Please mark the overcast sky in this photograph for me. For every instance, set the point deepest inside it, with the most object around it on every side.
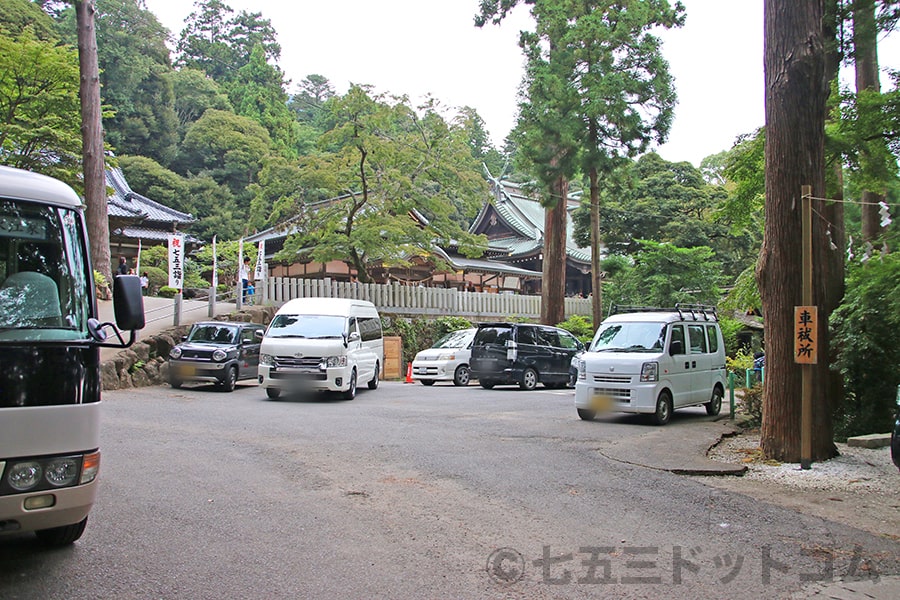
(419, 47)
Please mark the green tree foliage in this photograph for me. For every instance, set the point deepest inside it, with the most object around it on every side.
(664, 274)
(380, 164)
(219, 43)
(134, 67)
(40, 115)
(256, 92)
(194, 94)
(864, 329)
(16, 15)
(155, 181)
(228, 147)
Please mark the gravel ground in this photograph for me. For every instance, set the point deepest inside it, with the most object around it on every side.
(863, 470)
(860, 487)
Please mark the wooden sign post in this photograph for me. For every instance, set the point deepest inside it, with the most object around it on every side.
(806, 332)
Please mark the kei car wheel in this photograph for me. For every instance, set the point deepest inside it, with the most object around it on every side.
(230, 380)
(273, 393)
(462, 375)
(350, 394)
(714, 406)
(373, 384)
(529, 379)
(176, 383)
(487, 384)
(586, 415)
(663, 409)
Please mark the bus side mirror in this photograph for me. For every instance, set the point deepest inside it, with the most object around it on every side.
(128, 303)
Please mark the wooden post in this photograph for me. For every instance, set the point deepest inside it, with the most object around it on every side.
(806, 419)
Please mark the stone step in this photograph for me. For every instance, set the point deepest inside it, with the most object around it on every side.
(873, 440)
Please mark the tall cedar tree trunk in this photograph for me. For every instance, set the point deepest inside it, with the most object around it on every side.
(596, 280)
(865, 51)
(796, 94)
(97, 214)
(553, 281)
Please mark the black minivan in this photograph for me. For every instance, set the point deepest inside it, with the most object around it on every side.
(522, 353)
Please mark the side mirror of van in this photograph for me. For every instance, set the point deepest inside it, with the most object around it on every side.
(676, 347)
(353, 337)
(128, 303)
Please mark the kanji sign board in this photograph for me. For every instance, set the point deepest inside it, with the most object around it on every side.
(806, 343)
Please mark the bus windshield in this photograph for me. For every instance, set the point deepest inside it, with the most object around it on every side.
(43, 295)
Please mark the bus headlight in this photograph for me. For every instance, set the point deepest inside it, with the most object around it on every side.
(24, 475)
(60, 472)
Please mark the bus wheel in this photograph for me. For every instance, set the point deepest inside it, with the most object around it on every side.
(61, 536)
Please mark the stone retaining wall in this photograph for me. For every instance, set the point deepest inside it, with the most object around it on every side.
(146, 362)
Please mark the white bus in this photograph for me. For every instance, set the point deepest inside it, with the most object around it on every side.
(50, 366)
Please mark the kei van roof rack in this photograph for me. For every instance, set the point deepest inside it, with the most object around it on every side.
(698, 312)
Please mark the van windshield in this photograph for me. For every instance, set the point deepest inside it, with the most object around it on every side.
(307, 326)
(629, 337)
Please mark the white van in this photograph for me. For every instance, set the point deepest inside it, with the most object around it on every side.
(653, 361)
(324, 344)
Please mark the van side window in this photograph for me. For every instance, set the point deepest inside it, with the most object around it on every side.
(526, 336)
(698, 339)
(547, 337)
(677, 336)
(351, 325)
(369, 328)
(567, 341)
(713, 338)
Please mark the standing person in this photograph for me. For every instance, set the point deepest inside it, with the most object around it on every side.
(244, 276)
(145, 283)
(123, 266)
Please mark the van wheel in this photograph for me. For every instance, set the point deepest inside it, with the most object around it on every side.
(373, 385)
(462, 376)
(714, 406)
(529, 380)
(427, 381)
(61, 536)
(663, 408)
(230, 380)
(350, 394)
(273, 393)
(586, 415)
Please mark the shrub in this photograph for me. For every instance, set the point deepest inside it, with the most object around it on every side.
(752, 404)
(167, 292)
(580, 326)
(864, 332)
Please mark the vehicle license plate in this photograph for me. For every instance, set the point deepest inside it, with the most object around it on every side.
(601, 402)
(186, 371)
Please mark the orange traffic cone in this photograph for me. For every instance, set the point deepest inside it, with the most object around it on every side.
(408, 373)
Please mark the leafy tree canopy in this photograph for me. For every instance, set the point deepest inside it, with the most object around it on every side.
(380, 164)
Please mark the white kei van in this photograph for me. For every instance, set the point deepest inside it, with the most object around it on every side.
(653, 361)
(323, 344)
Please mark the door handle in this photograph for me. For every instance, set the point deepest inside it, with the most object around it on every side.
(694, 364)
(687, 365)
